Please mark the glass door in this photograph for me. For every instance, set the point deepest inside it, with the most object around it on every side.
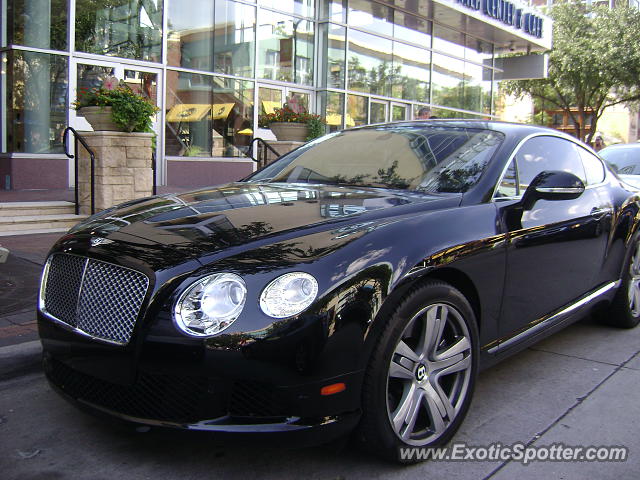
(271, 97)
(90, 74)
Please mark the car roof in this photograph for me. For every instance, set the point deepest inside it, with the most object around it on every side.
(510, 128)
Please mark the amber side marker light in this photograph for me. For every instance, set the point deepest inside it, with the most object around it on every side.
(333, 389)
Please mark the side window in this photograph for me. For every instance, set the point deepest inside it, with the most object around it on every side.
(592, 166)
(547, 153)
(508, 187)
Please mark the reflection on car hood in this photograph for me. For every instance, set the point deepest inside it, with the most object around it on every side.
(209, 220)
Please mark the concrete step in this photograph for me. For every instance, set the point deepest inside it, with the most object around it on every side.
(26, 223)
(11, 233)
(14, 209)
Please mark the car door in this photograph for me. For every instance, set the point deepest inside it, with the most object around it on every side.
(555, 249)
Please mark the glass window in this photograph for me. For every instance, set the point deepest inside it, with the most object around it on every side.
(508, 187)
(333, 37)
(36, 102)
(478, 51)
(411, 72)
(412, 29)
(378, 113)
(207, 116)
(356, 110)
(298, 7)
(371, 16)
(334, 10)
(592, 166)
(447, 40)
(447, 81)
(190, 37)
(547, 153)
(234, 40)
(477, 88)
(370, 63)
(285, 48)
(120, 28)
(426, 159)
(333, 107)
(37, 23)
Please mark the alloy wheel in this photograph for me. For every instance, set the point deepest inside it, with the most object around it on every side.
(429, 374)
(634, 283)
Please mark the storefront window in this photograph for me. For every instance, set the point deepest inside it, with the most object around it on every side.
(447, 81)
(334, 10)
(478, 51)
(285, 48)
(37, 23)
(235, 33)
(412, 29)
(477, 88)
(332, 109)
(120, 28)
(207, 116)
(411, 72)
(297, 7)
(333, 39)
(371, 16)
(357, 110)
(36, 102)
(449, 41)
(370, 63)
(191, 33)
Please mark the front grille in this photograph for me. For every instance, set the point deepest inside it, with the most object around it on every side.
(249, 399)
(174, 398)
(97, 298)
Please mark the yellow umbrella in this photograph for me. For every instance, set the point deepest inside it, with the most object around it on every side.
(187, 112)
(246, 131)
(270, 106)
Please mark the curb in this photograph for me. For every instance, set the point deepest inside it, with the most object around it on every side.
(20, 359)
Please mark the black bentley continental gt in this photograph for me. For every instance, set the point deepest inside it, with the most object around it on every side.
(357, 284)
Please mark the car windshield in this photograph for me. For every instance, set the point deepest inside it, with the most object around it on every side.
(623, 160)
(434, 159)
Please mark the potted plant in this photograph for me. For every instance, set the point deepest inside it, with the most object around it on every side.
(115, 107)
(292, 122)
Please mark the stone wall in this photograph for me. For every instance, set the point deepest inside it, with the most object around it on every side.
(123, 169)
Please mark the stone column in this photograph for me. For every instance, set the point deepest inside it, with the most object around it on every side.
(123, 169)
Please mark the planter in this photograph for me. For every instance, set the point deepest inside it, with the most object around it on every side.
(294, 132)
(99, 118)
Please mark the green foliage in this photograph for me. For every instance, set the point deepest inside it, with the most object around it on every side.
(594, 63)
(130, 111)
(317, 127)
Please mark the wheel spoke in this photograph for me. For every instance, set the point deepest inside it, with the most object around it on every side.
(438, 406)
(397, 370)
(450, 365)
(401, 413)
(405, 351)
(433, 326)
(412, 414)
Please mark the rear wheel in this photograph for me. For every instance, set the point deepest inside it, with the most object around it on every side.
(421, 376)
(625, 307)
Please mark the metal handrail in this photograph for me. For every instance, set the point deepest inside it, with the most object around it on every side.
(264, 146)
(78, 138)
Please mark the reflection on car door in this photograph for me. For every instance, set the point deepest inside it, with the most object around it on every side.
(555, 250)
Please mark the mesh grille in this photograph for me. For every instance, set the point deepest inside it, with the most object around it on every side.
(177, 398)
(98, 298)
(255, 399)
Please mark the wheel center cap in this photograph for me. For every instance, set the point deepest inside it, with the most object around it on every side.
(421, 372)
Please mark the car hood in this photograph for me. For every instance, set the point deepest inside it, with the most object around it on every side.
(207, 221)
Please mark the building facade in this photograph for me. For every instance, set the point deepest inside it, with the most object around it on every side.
(213, 67)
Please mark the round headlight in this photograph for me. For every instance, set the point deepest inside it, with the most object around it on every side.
(289, 294)
(210, 305)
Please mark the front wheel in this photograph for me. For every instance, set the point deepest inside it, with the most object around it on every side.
(421, 376)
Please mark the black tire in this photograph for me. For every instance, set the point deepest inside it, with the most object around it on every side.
(386, 425)
(624, 311)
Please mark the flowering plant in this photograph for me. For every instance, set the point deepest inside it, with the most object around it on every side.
(294, 112)
(130, 111)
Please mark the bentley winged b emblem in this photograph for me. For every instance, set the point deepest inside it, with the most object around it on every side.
(95, 241)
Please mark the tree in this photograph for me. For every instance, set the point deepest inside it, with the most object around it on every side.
(594, 64)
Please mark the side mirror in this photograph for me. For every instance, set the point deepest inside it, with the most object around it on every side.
(552, 185)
